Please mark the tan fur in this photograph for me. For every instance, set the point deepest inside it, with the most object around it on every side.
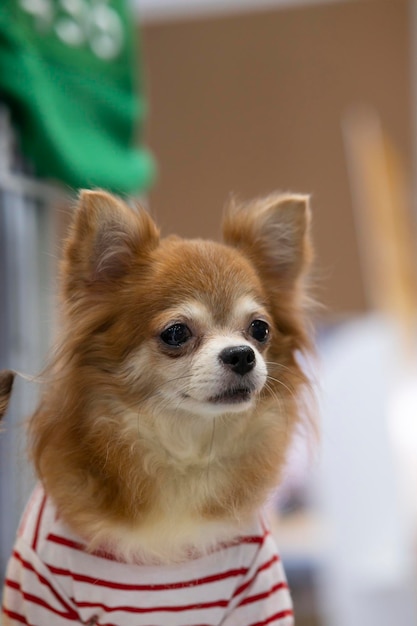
(137, 458)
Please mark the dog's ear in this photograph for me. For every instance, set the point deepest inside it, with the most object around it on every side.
(274, 234)
(6, 384)
(106, 237)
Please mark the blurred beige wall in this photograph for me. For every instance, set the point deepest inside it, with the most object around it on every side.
(250, 103)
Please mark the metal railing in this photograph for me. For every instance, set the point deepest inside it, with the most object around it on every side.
(27, 279)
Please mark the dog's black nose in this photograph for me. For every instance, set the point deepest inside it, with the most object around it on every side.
(240, 359)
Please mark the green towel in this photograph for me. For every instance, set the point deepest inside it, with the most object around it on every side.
(67, 73)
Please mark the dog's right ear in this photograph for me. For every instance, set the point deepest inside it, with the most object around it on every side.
(106, 237)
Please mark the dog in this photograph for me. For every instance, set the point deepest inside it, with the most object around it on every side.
(169, 405)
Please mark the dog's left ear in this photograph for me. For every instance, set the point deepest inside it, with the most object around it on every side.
(274, 233)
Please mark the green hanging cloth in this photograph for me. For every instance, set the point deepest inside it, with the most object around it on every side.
(67, 74)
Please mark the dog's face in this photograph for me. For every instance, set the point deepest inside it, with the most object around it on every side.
(204, 345)
(185, 327)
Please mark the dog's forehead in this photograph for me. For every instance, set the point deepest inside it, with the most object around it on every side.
(203, 314)
(210, 278)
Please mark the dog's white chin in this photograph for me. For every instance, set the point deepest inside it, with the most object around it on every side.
(211, 408)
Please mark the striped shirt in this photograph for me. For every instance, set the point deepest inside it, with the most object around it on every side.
(53, 581)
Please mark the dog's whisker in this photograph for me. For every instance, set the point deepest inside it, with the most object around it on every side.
(281, 404)
(280, 382)
(295, 374)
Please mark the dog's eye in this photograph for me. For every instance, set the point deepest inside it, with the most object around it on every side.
(259, 330)
(176, 335)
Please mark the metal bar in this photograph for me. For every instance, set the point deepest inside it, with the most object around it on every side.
(27, 239)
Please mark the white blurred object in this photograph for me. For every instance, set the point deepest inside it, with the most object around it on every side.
(368, 476)
(387, 237)
(369, 566)
(402, 427)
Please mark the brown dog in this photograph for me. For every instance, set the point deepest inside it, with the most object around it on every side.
(167, 413)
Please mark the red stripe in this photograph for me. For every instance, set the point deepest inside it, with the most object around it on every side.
(18, 618)
(80, 547)
(161, 587)
(68, 543)
(258, 540)
(261, 568)
(38, 524)
(43, 580)
(29, 597)
(253, 539)
(156, 609)
(250, 539)
(112, 624)
(280, 615)
(262, 596)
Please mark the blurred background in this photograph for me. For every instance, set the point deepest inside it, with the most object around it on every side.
(182, 103)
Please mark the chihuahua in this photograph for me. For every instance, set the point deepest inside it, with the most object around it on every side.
(169, 405)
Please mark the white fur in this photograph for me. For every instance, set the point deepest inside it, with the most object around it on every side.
(190, 458)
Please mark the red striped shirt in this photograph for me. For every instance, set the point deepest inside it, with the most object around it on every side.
(51, 579)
